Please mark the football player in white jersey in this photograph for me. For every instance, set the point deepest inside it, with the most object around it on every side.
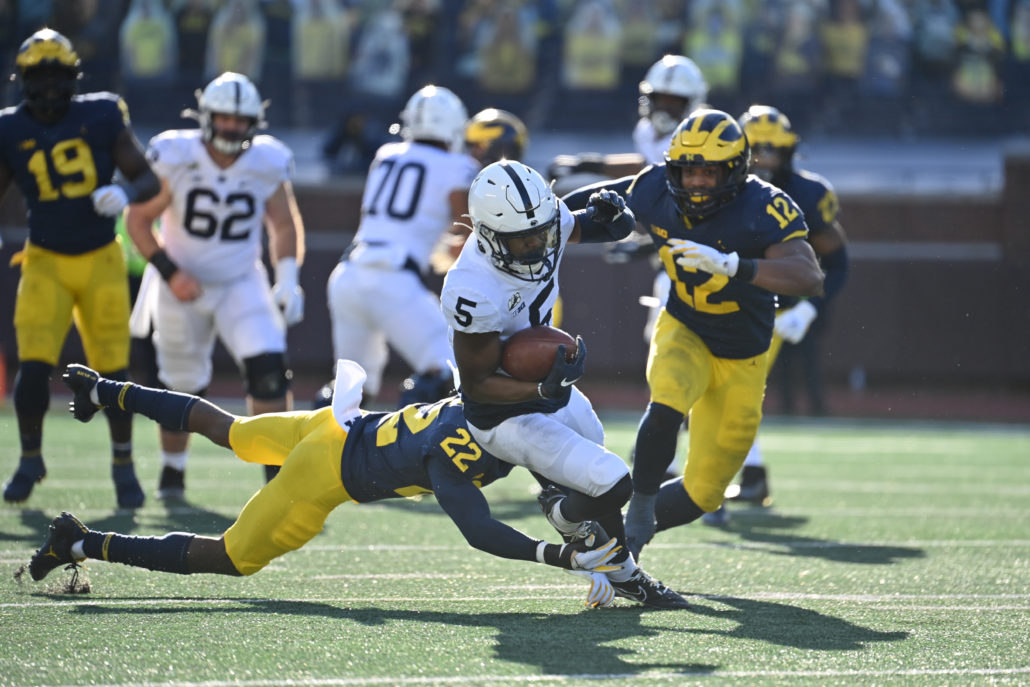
(416, 189)
(221, 185)
(506, 279)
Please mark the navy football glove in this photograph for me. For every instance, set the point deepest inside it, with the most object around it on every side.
(564, 374)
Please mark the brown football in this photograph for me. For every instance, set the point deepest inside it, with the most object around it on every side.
(529, 354)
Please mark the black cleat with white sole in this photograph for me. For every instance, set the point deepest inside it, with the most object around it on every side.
(646, 590)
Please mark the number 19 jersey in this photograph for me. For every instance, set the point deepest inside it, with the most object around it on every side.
(213, 226)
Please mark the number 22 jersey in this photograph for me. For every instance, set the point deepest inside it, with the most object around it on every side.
(213, 226)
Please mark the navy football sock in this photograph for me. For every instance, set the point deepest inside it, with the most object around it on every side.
(169, 408)
(165, 554)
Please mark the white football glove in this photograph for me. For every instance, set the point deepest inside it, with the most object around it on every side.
(598, 559)
(602, 593)
(696, 256)
(287, 292)
(109, 200)
(792, 324)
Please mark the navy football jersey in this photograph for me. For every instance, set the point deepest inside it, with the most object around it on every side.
(385, 454)
(57, 166)
(818, 201)
(732, 317)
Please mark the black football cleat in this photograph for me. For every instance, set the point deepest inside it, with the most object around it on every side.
(29, 472)
(172, 484)
(126, 486)
(753, 487)
(81, 380)
(644, 589)
(56, 550)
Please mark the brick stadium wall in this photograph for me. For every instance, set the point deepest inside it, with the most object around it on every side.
(939, 291)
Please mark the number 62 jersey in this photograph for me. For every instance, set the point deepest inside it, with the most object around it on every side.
(213, 225)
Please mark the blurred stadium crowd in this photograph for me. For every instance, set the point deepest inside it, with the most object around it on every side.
(911, 68)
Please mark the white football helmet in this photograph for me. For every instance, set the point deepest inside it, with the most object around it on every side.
(508, 200)
(434, 113)
(677, 76)
(233, 94)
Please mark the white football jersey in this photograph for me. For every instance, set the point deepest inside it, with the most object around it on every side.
(649, 144)
(477, 297)
(405, 203)
(213, 226)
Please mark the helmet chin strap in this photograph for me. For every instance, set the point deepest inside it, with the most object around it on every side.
(663, 122)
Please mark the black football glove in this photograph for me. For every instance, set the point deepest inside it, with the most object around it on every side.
(608, 206)
(564, 374)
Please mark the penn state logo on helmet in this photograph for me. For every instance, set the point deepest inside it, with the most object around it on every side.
(710, 139)
(494, 134)
(515, 218)
(47, 67)
(229, 94)
(772, 142)
(676, 76)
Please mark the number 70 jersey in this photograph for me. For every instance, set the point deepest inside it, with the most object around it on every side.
(213, 226)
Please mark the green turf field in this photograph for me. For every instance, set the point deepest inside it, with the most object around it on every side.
(894, 554)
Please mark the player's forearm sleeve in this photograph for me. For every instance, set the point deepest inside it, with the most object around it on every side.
(467, 507)
(577, 200)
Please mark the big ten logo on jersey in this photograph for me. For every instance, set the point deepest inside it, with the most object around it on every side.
(205, 214)
(516, 304)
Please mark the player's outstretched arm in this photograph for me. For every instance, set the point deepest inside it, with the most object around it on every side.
(469, 510)
(172, 410)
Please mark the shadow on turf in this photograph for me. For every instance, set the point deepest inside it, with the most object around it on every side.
(524, 638)
(763, 526)
(786, 625)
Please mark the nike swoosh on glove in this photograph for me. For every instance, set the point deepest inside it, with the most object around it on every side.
(697, 256)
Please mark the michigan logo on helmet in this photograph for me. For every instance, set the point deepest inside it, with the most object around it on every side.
(515, 218)
(711, 139)
(494, 134)
(672, 88)
(229, 94)
(772, 141)
(433, 113)
(47, 67)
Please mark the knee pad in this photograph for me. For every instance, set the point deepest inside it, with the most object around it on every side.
(32, 387)
(428, 387)
(267, 377)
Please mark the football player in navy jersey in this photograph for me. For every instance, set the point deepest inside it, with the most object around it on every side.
(62, 151)
(773, 143)
(729, 242)
(329, 456)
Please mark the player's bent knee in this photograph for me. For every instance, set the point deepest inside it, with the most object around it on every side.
(32, 387)
(616, 497)
(267, 376)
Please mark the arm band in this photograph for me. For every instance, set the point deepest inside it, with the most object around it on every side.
(164, 264)
(746, 270)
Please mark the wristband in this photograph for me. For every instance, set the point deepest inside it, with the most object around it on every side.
(540, 546)
(131, 192)
(746, 269)
(164, 264)
(552, 554)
